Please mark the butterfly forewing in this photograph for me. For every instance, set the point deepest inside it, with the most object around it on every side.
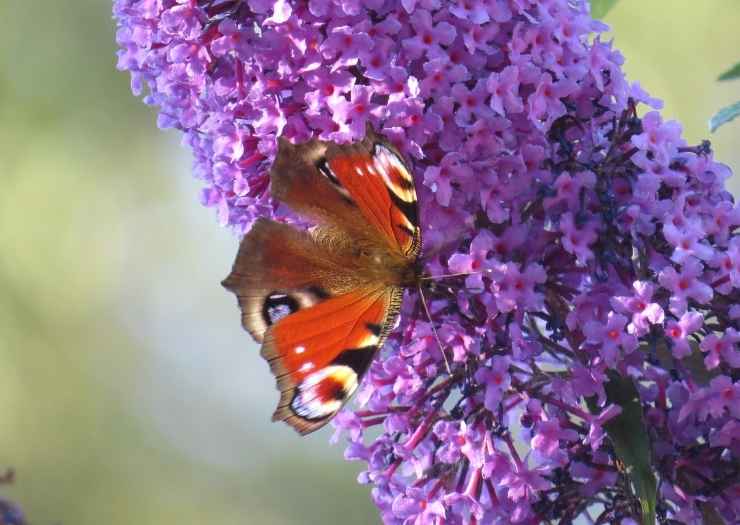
(323, 301)
(382, 187)
(365, 188)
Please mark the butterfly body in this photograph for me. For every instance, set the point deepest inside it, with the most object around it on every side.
(323, 300)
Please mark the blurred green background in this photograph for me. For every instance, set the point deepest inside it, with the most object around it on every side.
(128, 391)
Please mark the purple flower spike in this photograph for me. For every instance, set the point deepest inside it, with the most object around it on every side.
(604, 245)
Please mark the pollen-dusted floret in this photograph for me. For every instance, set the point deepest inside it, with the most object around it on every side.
(606, 245)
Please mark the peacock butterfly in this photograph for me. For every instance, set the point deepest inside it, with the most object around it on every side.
(322, 301)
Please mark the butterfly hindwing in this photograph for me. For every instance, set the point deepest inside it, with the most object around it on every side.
(320, 354)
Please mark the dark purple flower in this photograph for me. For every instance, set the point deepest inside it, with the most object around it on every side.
(504, 90)
(720, 397)
(680, 330)
(545, 105)
(640, 305)
(611, 339)
(352, 114)
(440, 74)
(429, 36)
(685, 285)
(343, 46)
(577, 239)
(524, 483)
(517, 289)
(721, 348)
(471, 103)
(548, 435)
(495, 380)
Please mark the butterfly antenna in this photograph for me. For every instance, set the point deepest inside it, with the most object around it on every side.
(450, 275)
(434, 330)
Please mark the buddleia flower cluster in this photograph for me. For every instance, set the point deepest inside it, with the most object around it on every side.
(606, 247)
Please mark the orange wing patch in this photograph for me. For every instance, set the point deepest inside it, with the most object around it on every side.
(319, 354)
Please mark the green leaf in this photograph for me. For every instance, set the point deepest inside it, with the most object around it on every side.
(694, 362)
(599, 8)
(724, 115)
(629, 436)
(732, 73)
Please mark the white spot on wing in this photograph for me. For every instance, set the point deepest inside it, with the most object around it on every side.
(306, 367)
(300, 349)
